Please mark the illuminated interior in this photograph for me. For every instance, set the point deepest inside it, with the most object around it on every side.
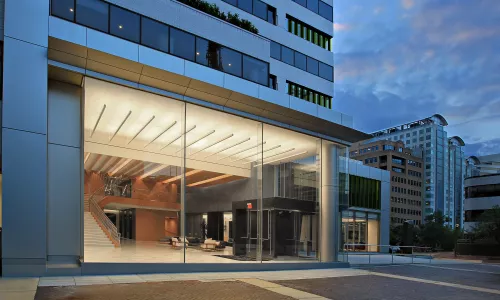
(151, 160)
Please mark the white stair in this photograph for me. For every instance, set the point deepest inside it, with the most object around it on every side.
(93, 234)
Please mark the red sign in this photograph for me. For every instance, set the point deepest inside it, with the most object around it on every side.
(249, 205)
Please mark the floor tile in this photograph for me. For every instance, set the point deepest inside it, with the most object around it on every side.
(292, 292)
(126, 279)
(260, 283)
(155, 277)
(91, 280)
(26, 295)
(68, 281)
(18, 284)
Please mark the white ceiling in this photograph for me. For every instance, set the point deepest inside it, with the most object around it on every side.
(218, 142)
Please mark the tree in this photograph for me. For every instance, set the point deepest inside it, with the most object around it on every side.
(434, 233)
(488, 225)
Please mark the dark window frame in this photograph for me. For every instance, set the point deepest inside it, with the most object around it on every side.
(319, 8)
(169, 36)
(293, 65)
(269, 8)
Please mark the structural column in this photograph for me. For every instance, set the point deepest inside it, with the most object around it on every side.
(329, 234)
(24, 138)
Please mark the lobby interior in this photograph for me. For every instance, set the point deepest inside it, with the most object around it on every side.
(150, 161)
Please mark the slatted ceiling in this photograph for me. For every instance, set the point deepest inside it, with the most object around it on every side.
(219, 181)
(128, 167)
(94, 158)
(112, 161)
(141, 169)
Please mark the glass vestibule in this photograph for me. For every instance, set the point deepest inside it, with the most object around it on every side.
(168, 181)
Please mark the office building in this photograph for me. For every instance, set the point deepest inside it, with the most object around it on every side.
(365, 222)
(444, 164)
(152, 136)
(482, 187)
(406, 170)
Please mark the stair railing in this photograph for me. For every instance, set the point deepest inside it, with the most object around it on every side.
(104, 222)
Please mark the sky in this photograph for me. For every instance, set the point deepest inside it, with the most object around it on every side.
(398, 61)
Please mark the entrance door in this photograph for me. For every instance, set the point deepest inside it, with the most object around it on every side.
(251, 237)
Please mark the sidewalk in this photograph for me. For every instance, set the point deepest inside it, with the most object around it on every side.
(233, 285)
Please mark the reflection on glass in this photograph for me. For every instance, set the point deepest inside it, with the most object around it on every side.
(92, 13)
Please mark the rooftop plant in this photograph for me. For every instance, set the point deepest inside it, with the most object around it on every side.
(214, 10)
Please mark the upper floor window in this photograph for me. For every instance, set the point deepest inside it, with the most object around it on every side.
(125, 24)
(318, 7)
(309, 95)
(93, 13)
(64, 9)
(128, 25)
(257, 8)
(309, 33)
(301, 61)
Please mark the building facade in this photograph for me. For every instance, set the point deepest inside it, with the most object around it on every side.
(444, 163)
(365, 221)
(482, 187)
(194, 138)
(406, 171)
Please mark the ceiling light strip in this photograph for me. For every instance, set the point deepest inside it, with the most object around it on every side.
(170, 126)
(143, 127)
(227, 148)
(86, 157)
(188, 131)
(180, 176)
(241, 151)
(98, 120)
(120, 127)
(123, 164)
(155, 170)
(283, 152)
(219, 141)
(210, 180)
(280, 159)
(194, 142)
(272, 148)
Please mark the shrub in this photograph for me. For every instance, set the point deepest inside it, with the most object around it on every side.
(214, 10)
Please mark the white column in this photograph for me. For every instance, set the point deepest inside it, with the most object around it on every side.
(329, 235)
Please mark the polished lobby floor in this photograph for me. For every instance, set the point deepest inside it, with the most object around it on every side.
(152, 252)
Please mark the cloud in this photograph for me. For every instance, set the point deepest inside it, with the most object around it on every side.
(340, 27)
(441, 58)
(407, 4)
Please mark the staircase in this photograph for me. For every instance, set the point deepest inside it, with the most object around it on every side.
(93, 234)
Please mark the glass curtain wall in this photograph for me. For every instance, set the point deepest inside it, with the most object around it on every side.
(167, 181)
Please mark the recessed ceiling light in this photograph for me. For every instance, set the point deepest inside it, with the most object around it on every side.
(229, 64)
(120, 26)
(197, 53)
(71, 10)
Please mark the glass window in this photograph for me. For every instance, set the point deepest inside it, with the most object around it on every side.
(287, 55)
(93, 14)
(124, 24)
(246, 5)
(428, 137)
(301, 2)
(427, 130)
(182, 44)
(326, 11)
(325, 71)
(202, 51)
(275, 50)
(312, 5)
(271, 15)
(231, 62)
(312, 65)
(154, 34)
(408, 135)
(300, 61)
(232, 2)
(260, 9)
(255, 70)
(64, 9)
